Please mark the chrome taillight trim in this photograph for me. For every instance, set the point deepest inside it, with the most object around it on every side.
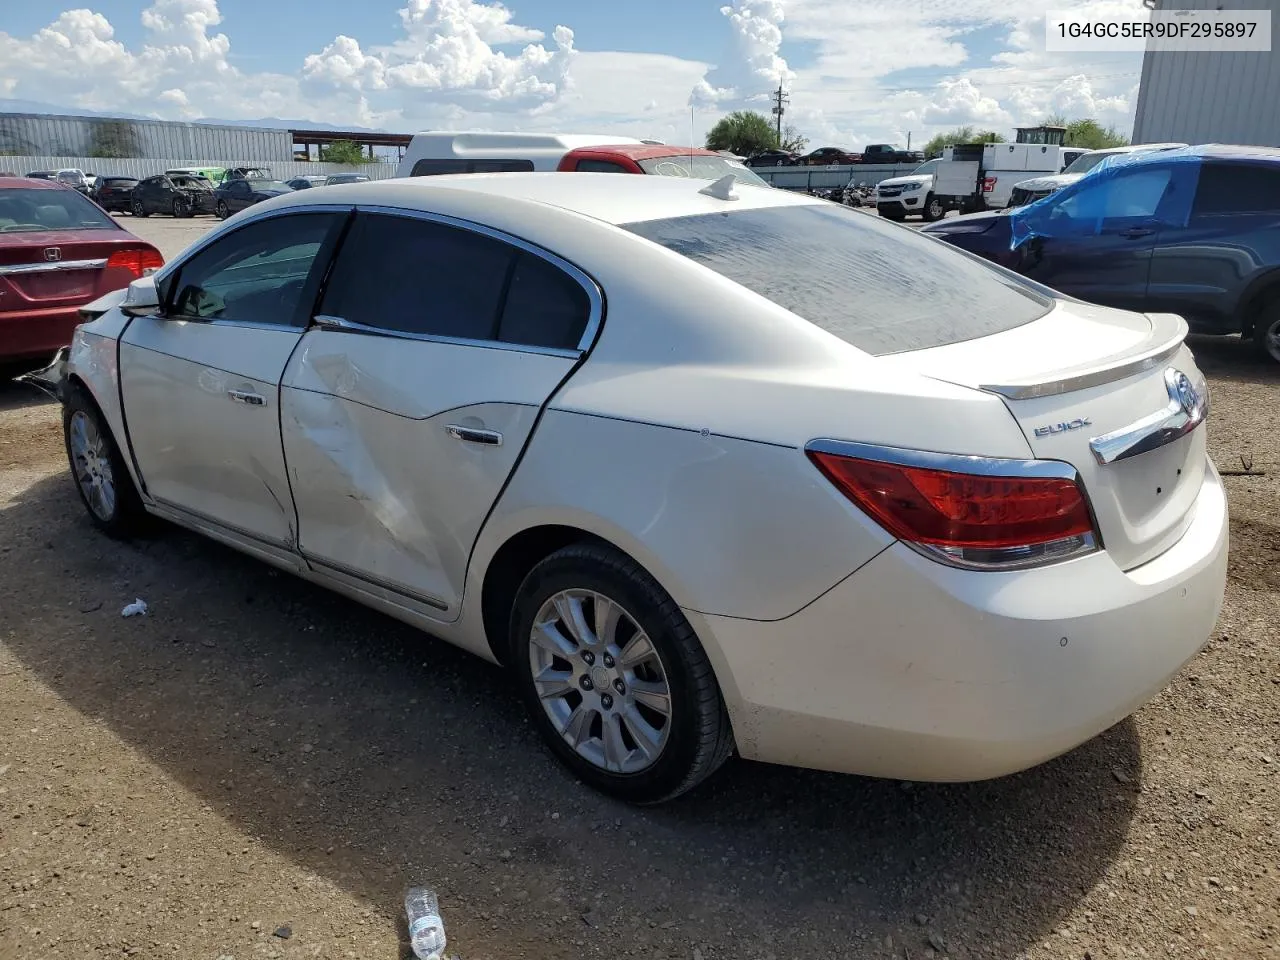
(964, 558)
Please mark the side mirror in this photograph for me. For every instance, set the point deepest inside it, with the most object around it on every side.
(141, 298)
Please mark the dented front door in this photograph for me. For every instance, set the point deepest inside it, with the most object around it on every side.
(396, 451)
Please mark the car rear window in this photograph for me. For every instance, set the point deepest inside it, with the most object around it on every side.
(881, 287)
(23, 210)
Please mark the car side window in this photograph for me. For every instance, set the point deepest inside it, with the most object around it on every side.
(433, 168)
(1235, 188)
(545, 307)
(600, 166)
(411, 275)
(1134, 195)
(262, 273)
(499, 166)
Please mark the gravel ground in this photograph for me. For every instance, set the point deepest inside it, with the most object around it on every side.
(257, 754)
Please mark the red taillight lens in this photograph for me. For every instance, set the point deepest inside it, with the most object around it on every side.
(977, 519)
(988, 184)
(140, 263)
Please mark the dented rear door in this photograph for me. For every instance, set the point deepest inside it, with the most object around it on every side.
(411, 398)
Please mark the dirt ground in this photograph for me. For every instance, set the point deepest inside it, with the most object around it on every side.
(257, 754)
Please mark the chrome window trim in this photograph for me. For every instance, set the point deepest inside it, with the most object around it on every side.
(595, 297)
(953, 462)
(53, 266)
(332, 324)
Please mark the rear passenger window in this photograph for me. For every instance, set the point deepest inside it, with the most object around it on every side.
(1237, 188)
(434, 168)
(600, 166)
(545, 306)
(499, 166)
(416, 276)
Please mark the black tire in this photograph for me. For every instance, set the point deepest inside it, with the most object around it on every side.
(124, 517)
(181, 208)
(1266, 330)
(698, 736)
(139, 210)
(933, 209)
(221, 210)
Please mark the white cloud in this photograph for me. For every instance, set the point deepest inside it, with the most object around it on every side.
(857, 72)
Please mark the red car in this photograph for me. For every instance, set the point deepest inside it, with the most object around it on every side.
(58, 251)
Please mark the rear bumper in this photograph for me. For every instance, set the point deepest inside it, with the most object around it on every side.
(913, 670)
(36, 333)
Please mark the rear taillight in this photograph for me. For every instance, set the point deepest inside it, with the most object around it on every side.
(966, 511)
(988, 184)
(141, 263)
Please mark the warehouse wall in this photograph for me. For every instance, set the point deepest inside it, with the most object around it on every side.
(194, 143)
(1208, 97)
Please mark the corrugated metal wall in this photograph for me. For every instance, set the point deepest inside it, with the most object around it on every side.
(811, 178)
(35, 134)
(141, 167)
(1208, 97)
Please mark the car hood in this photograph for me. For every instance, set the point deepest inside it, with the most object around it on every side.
(966, 222)
(921, 178)
(1055, 182)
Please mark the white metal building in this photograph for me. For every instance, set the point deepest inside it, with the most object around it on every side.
(48, 135)
(1210, 97)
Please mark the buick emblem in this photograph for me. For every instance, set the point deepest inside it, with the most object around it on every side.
(1183, 392)
(52, 254)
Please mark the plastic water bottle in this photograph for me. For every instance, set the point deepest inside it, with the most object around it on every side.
(426, 928)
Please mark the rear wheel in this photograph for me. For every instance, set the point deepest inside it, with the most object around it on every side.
(614, 677)
(181, 207)
(99, 471)
(1266, 332)
(933, 209)
(221, 210)
(138, 209)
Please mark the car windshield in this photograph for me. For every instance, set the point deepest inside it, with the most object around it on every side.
(704, 168)
(928, 166)
(874, 285)
(23, 210)
(1086, 162)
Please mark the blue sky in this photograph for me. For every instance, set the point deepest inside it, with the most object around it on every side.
(858, 70)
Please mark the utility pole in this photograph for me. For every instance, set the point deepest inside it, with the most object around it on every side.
(908, 140)
(780, 100)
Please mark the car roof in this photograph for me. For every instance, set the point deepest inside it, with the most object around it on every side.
(652, 151)
(30, 183)
(463, 140)
(1206, 151)
(606, 197)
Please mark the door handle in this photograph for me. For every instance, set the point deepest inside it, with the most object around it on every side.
(1134, 233)
(491, 438)
(247, 396)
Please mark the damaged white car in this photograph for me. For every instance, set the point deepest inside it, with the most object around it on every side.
(708, 467)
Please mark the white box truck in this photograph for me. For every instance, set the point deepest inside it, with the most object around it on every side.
(981, 176)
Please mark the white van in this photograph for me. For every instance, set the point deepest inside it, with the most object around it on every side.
(432, 154)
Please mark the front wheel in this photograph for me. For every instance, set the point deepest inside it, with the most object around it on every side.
(99, 471)
(1266, 333)
(933, 209)
(614, 678)
(181, 208)
(221, 210)
(138, 209)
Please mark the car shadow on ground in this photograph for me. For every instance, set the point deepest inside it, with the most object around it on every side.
(1233, 360)
(374, 755)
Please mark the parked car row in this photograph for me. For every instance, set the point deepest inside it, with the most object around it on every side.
(835, 156)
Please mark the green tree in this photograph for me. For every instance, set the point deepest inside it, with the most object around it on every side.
(113, 138)
(342, 151)
(743, 132)
(935, 146)
(1088, 133)
(792, 140)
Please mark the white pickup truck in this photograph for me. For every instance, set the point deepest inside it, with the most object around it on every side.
(899, 197)
(981, 176)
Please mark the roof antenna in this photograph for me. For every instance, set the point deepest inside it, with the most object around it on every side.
(722, 189)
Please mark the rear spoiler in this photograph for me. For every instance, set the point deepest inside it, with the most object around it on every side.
(1168, 331)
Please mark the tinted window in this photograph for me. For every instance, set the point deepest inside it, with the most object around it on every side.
(27, 210)
(600, 166)
(545, 306)
(1237, 188)
(260, 273)
(431, 168)
(499, 166)
(417, 276)
(875, 285)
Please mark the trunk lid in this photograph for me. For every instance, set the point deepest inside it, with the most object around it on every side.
(1110, 392)
(55, 269)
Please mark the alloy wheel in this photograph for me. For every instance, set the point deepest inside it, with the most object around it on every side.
(92, 459)
(1270, 337)
(600, 680)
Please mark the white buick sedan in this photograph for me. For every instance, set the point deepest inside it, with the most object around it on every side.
(709, 467)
